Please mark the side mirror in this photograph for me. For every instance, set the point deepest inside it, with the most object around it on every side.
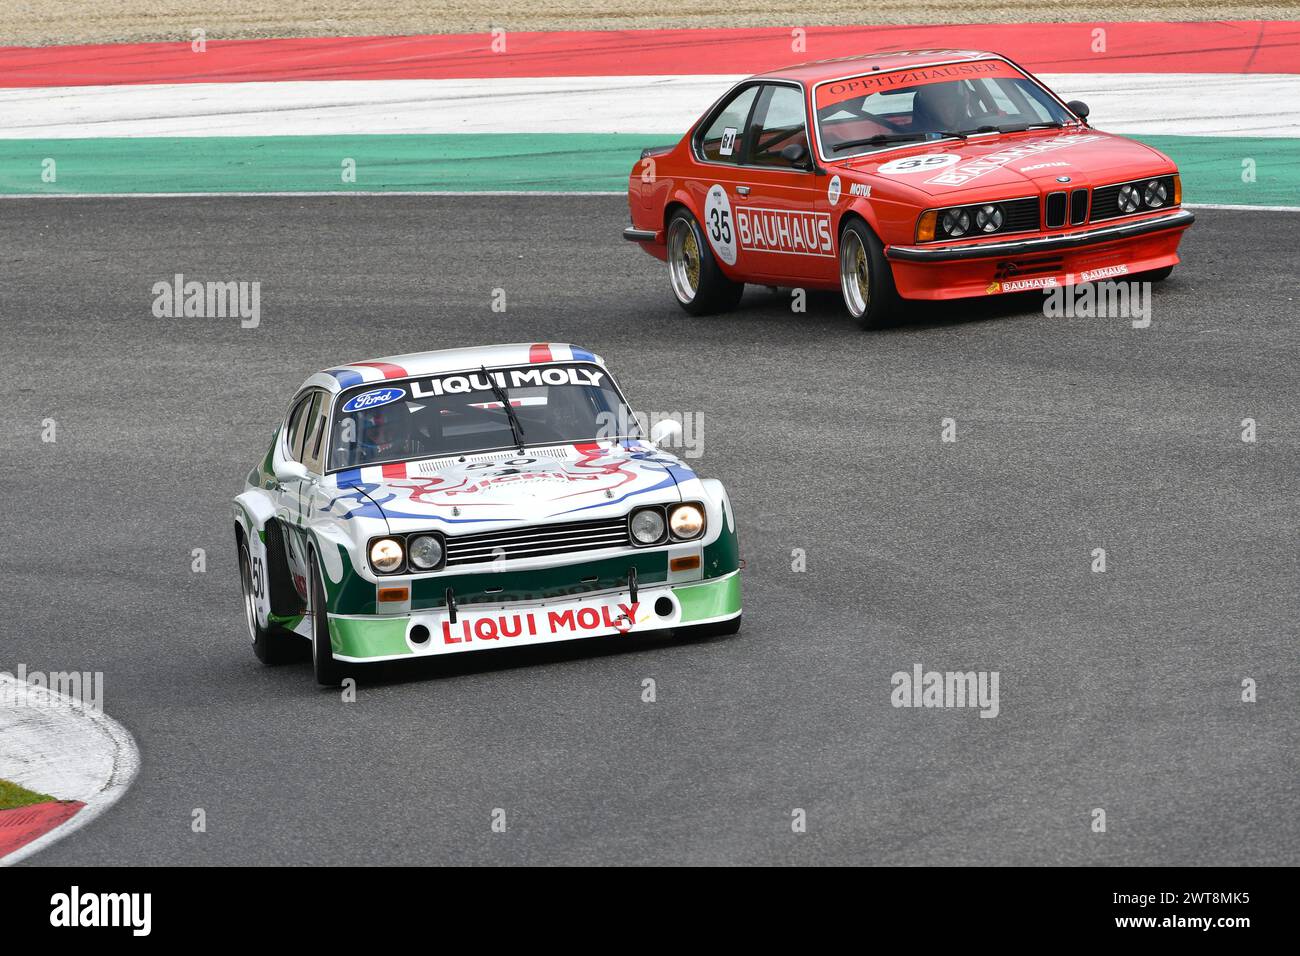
(286, 470)
(1078, 108)
(796, 154)
(665, 431)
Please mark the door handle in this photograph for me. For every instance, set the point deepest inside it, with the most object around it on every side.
(742, 190)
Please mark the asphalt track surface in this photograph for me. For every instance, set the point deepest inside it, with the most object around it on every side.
(1119, 690)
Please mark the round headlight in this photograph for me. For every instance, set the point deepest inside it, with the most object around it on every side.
(1155, 194)
(955, 222)
(989, 218)
(426, 551)
(647, 526)
(1128, 199)
(386, 555)
(687, 521)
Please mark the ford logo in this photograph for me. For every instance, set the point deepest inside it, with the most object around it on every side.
(373, 399)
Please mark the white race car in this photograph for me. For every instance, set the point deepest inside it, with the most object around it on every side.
(471, 499)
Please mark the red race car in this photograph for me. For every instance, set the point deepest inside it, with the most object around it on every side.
(934, 174)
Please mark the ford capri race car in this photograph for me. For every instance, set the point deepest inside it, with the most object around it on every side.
(452, 501)
(935, 174)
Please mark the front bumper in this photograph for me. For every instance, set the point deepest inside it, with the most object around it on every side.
(357, 638)
(983, 268)
(633, 234)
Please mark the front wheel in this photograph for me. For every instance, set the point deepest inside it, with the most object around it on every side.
(328, 671)
(271, 644)
(698, 282)
(866, 281)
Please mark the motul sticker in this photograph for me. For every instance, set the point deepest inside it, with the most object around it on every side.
(784, 231)
(963, 173)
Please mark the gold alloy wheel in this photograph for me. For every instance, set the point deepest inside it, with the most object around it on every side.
(683, 260)
(855, 274)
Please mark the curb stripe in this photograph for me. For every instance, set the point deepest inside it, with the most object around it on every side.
(1198, 47)
(23, 825)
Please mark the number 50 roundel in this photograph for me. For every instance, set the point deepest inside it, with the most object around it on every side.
(719, 225)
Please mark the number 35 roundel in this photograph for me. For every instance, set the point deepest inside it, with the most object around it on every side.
(719, 226)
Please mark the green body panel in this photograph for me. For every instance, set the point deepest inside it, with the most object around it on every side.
(386, 636)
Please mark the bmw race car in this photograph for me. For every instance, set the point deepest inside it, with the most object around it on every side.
(933, 174)
(471, 499)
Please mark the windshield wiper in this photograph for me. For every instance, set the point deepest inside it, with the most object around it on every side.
(503, 397)
(1018, 128)
(879, 139)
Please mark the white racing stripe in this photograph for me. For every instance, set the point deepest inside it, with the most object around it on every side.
(1206, 104)
(53, 744)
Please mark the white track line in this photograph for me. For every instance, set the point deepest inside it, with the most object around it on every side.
(1183, 104)
(59, 746)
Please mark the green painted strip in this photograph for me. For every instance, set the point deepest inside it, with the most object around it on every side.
(380, 637)
(1212, 166)
(710, 599)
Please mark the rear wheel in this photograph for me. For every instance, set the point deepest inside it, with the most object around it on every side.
(698, 282)
(328, 670)
(866, 281)
(271, 644)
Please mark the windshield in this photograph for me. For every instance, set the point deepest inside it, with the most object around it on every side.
(871, 112)
(459, 413)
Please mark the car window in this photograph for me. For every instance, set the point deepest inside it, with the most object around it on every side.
(721, 141)
(298, 420)
(779, 122)
(314, 446)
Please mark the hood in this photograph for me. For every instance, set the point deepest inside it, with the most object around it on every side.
(565, 482)
(1007, 162)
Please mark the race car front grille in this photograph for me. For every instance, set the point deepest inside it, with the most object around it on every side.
(536, 541)
(1055, 217)
(1105, 199)
(1019, 215)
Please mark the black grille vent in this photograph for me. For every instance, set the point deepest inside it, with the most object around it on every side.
(1105, 199)
(1078, 207)
(1019, 215)
(1055, 210)
(536, 541)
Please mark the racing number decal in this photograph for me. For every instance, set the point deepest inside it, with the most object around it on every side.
(728, 145)
(259, 589)
(917, 164)
(719, 225)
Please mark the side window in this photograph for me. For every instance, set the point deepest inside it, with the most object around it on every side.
(779, 122)
(721, 141)
(313, 449)
(298, 420)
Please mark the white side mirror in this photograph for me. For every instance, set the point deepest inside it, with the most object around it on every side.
(666, 431)
(288, 470)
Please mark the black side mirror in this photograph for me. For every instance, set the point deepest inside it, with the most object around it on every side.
(1078, 108)
(796, 154)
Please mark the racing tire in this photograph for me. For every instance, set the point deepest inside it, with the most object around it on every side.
(701, 632)
(1155, 275)
(329, 673)
(866, 281)
(272, 645)
(698, 284)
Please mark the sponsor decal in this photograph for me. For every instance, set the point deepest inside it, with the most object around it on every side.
(373, 399)
(1021, 285)
(918, 164)
(837, 91)
(785, 231)
(530, 377)
(728, 144)
(569, 621)
(973, 169)
(859, 189)
(1105, 272)
(718, 224)
(1030, 169)
(833, 190)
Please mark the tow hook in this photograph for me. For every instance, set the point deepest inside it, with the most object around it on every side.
(451, 606)
(631, 582)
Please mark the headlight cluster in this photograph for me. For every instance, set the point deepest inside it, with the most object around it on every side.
(1150, 195)
(422, 551)
(961, 221)
(658, 525)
